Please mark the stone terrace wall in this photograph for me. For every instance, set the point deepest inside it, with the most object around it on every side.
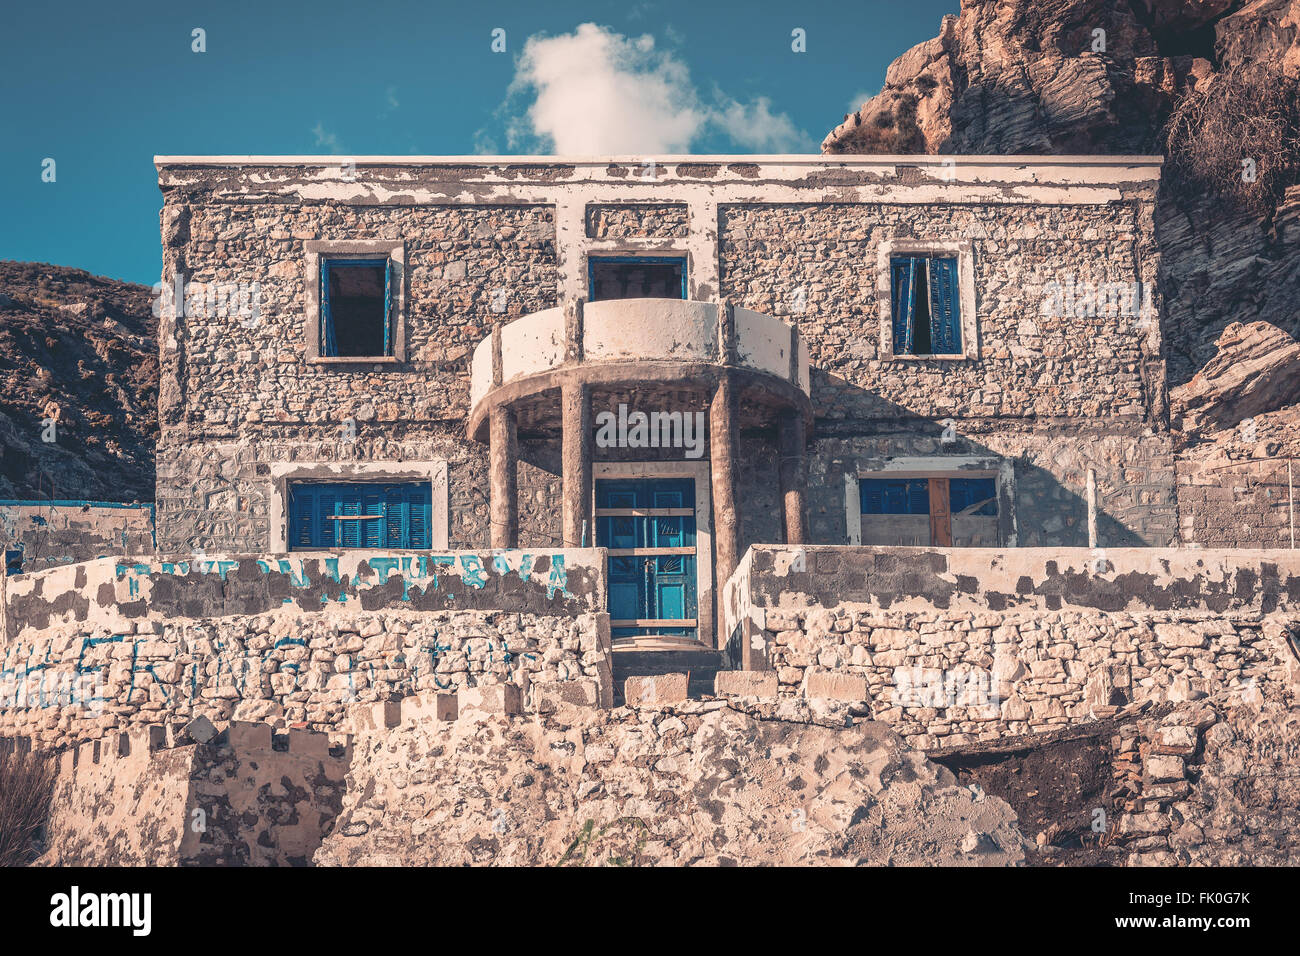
(78, 681)
(950, 678)
(116, 592)
(952, 645)
(54, 533)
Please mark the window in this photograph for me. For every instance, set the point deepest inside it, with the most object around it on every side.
(929, 511)
(360, 515)
(356, 307)
(926, 306)
(356, 301)
(636, 277)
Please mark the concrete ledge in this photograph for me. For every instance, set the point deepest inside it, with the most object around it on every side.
(745, 684)
(655, 689)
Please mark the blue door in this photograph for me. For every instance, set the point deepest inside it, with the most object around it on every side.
(360, 515)
(648, 525)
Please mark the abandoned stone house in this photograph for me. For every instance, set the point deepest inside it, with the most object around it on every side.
(673, 359)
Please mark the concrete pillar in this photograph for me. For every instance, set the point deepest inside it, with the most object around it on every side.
(792, 440)
(1091, 491)
(575, 463)
(503, 457)
(724, 446)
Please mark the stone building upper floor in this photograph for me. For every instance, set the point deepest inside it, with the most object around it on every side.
(313, 291)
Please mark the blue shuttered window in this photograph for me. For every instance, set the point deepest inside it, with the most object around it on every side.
(976, 496)
(894, 496)
(357, 324)
(360, 515)
(926, 305)
(904, 306)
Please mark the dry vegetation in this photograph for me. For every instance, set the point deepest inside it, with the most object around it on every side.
(1244, 115)
(26, 788)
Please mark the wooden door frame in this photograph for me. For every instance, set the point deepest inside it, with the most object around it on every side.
(699, 473)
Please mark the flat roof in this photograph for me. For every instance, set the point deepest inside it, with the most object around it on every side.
(791, 159)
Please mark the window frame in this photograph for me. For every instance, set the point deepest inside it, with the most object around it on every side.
(433, 472)
(963, 251)
(633, 257)
(1001, 470)
(316, 253)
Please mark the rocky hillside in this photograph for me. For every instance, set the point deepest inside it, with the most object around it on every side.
(77, 349)
(1212, 84)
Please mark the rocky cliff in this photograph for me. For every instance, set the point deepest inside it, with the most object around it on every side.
(77, 350)
(1212, 84)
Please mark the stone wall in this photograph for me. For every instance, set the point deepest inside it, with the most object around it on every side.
(72, 682)
(117, 592)
(950, 678)
(957, 645)
(238, 394)
(1043, 480)
(1246, 504)
(54, 533)
(797, 239)
(1031, 365)
(643, 221)
(157, 797)
(1209, 784)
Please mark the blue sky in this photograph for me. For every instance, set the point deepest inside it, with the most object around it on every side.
(101, 88)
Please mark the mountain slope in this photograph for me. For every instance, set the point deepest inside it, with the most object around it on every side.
(79, 350)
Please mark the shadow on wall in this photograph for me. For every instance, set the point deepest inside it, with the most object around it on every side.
(1134, 473)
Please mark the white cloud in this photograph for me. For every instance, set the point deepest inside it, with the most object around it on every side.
(597, 92)
(325, 138)
(856, 101)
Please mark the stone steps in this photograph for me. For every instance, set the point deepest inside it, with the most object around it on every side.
(702, 665)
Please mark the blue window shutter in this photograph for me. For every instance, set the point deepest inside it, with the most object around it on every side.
(372, 531)
(302, 517)
(393, 516)
(945, 309)
(388, 307)
(904, 285)
(328, 344)
(420, 522)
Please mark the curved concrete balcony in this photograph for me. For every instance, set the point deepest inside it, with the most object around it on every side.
(543, 374)
(640, 344)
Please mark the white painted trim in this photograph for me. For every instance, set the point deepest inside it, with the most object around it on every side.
(699, 471)
(965, 252)
(852, 508)
(435, 472)
(1018, 160)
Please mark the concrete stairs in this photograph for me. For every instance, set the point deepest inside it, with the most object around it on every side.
(633, 661)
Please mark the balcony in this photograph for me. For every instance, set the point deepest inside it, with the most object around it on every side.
(638, 344)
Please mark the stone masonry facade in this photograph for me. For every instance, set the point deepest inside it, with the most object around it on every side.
(1044, 396)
